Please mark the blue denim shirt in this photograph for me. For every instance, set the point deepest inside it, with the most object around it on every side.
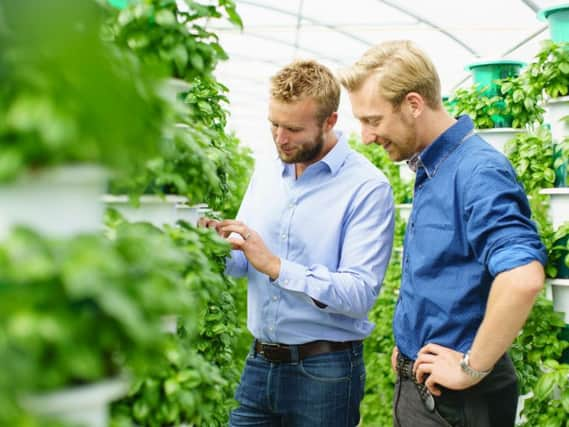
(470, 221)
(333, 230)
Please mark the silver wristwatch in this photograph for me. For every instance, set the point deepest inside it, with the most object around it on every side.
(469, 370)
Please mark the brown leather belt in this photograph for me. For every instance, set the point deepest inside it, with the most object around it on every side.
(286, 353)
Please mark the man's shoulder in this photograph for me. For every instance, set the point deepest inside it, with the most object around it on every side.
(360, 168)
(478, 155)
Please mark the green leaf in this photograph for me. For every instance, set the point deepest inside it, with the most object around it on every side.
(165, 18)
(171, 386)
(197, 61)
(564, 67)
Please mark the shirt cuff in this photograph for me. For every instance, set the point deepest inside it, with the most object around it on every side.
(291, 276)
(514, 256)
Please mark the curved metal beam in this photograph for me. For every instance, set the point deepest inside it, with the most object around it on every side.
(298, 25)
(532, 5)
(430, 24)
(527, 39)
(306, 18)
(283, 42)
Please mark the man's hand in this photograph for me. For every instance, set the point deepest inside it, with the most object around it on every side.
(442, 366)
(252, 245)
(394, 355)
(205, 222)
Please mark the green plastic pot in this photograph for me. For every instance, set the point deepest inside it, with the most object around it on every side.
(484, 73)
(558, 19)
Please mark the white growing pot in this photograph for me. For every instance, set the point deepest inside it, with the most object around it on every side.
(498, 137)
(405, 172)
(191, 214)
(153, 209)
(558, 205)
(59, 202)
(555, 110)
(520, 407)
(404, 210)
(560, 296)
(86, 405)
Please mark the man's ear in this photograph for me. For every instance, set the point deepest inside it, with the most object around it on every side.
(416, 103)
(330, 122)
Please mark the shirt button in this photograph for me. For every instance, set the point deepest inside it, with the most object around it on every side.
(283, 236)
(271, 328)
(275, 298)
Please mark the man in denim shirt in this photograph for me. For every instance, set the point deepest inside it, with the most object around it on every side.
(313, 236)
(473, 261)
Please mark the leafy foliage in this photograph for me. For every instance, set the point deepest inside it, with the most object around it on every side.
(75, 308)
(182, 388)
(549, 405)
(531, 154)
(512, 108)
(53, 103)
(380, 381)
(538, 342)
(525, 110)
(201, 355)
(169, 36)
(549, 72)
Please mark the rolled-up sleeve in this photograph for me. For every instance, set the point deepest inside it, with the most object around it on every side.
(499, 228)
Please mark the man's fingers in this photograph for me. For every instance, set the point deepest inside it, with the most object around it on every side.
(422, 370)
(432, 386)
(233, 228)
(236, 244)
(431, 349)
(423, 358)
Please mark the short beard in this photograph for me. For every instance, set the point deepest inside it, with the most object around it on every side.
(307, 154)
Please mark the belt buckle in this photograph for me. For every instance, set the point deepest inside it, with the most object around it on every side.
(273, 346)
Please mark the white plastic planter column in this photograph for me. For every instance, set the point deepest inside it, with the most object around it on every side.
(558, 205)
(555, 110)
(404, 210)
(56, 202)
(498, 137)
(153, 209)
(405, 172)
(560, 296)
(85, 405)
(191, 214)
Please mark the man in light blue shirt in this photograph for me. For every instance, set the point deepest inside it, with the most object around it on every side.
(314, 237)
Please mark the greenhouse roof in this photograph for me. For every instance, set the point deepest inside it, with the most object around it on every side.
(454, 33)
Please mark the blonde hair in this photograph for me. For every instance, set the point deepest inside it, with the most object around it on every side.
(307, 79)
(401, 68)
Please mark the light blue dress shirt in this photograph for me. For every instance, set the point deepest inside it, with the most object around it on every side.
(333, 231)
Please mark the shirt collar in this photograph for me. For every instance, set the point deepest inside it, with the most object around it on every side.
(437, 152)
(333, 160)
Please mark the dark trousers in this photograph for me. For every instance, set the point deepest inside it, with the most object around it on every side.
(490, 403)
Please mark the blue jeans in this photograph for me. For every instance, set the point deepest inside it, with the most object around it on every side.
(323, 390)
